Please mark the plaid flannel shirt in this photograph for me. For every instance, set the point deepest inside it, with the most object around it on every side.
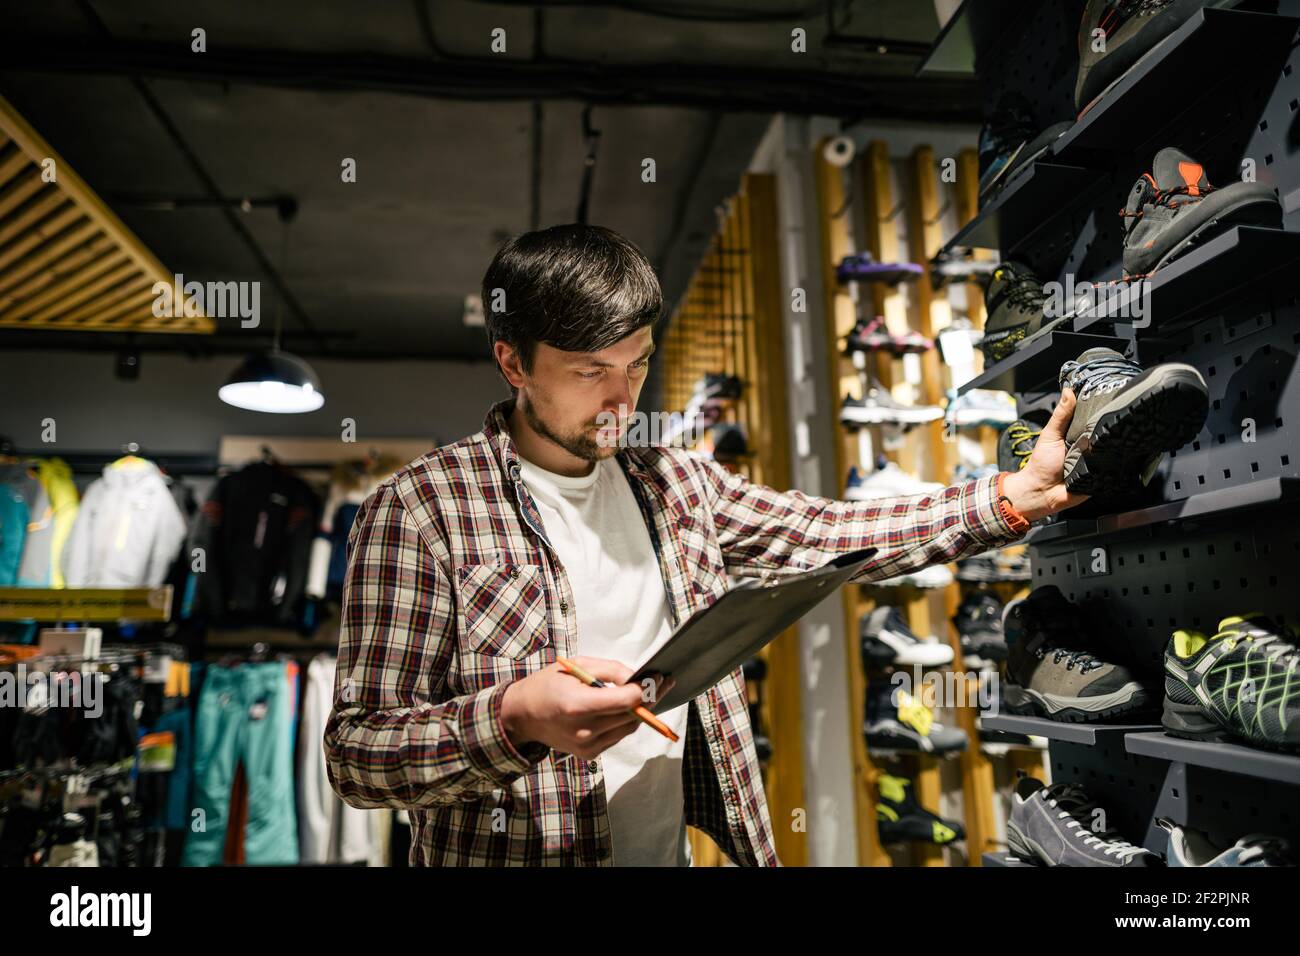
(453, 591)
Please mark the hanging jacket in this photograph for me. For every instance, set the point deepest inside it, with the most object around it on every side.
(127, 531)
(14, 517)
(256, 531)
(56, 477)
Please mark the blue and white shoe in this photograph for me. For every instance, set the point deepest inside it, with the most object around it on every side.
(1189, 847)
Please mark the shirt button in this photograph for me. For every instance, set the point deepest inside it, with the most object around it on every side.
(602, 852)
(593, 766)
(514, 572)
(564, 607)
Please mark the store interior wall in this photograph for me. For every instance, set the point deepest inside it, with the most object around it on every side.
(173, 406)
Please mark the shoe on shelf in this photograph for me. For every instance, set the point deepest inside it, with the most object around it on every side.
(888, 641)
(1188, 847)
(863, 268)
(1174, 208)
(1240, 684)
(901, 819)
(933, 576)
(994, 566)
(1016, 443)
(965, 472)
(1127, 419)
(980, 406)
(979, 623)
(897, 721)
(889, 481)
(1015, 302)
(717, 385)
(948, 269)
(1132, 29)
(878, 407)
(1056, 826)
(1053, 673)
(1032, 147)
(724, 442)
(873, 335)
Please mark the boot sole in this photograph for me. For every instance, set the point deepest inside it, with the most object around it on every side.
(1029, 703)
(1247, 212)
(1190, 722)
(1162, 416)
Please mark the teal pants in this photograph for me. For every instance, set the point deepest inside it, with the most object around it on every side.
(244, 715)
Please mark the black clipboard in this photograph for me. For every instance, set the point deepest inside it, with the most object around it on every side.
(714, 641)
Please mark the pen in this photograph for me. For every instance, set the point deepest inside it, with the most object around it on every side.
(642, 712)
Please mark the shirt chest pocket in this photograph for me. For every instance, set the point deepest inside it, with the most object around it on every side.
(502, 609)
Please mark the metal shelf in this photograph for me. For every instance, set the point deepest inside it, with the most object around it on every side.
(955, 48)
(1007, 860)
(1265, 491)
(1039, 362)
(1059, 730)
(1240, 45)
(1194, 284)
(1233, 758)
(1017, 213)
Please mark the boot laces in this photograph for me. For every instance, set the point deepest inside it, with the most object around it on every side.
(1077, 810)
(1021, 437)
(1092, 373)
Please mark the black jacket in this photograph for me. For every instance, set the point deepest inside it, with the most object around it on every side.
(257, 530)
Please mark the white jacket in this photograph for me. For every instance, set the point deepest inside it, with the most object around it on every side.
(128, 530)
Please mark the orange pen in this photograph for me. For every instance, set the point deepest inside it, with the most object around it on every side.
(642, 712)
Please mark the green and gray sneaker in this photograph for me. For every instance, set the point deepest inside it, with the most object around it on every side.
(1239, 684)
(1127, 418)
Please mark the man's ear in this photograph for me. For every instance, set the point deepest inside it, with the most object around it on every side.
(508, 361)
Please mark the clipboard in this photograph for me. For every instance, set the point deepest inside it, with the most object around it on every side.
(715, 640)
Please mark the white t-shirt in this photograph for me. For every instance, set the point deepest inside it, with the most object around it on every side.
(603, 543)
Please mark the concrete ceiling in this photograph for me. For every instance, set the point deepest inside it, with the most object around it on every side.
(456, 148)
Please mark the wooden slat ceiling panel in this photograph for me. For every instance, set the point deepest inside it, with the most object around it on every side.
(66, 260)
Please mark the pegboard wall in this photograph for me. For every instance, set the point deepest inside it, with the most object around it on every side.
(1242, 112)
(1241, 551)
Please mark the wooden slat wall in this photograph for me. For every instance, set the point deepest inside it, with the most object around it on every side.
(730, 321)
(66, 261)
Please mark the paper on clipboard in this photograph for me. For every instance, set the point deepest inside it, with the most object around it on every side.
(714, 641)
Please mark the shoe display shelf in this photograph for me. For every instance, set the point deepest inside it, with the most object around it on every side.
(1232, 758)
(1210, 278)
(1214, 534)
(1074, 733)
(961, 787)
(1004, 859)
(1038, 363)
(1206, 70)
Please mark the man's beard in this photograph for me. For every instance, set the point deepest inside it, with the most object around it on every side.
(580, 445)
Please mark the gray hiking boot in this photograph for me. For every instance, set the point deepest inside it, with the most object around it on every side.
(1127, 418)
(1174, 208)
(1052, 674)
(1060, 826)
(1132, 29)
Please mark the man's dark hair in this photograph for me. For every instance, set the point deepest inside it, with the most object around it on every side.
(577, 288)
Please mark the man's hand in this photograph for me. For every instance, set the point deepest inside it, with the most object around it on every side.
(1038, 489)
(555, 708)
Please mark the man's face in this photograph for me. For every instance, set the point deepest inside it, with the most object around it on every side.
(567, 396)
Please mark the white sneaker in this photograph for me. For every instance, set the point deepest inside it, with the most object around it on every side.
(888, 482)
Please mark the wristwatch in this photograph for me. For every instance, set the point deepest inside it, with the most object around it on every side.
(1017, 522)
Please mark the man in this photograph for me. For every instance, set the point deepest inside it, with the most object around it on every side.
(474, 567)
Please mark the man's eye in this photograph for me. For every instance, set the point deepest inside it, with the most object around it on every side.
(589, 375)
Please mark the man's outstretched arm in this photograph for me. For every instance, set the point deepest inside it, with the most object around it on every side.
(763, 531)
